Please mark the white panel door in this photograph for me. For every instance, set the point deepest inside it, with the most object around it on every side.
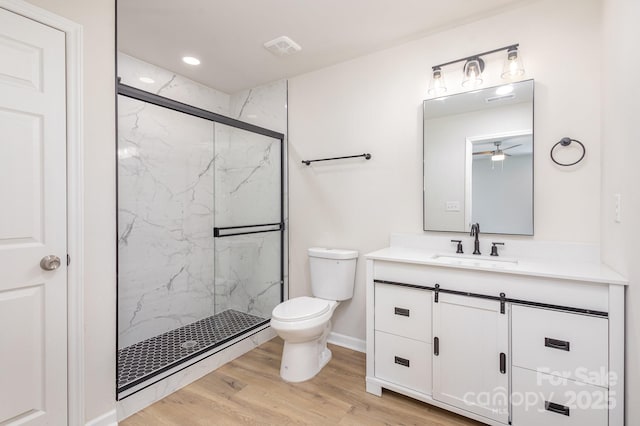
(33, 312)
(472, 334)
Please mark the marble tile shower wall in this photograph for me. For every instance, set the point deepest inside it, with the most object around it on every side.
(180, 175)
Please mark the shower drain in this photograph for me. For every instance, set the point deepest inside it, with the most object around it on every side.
(189, 344)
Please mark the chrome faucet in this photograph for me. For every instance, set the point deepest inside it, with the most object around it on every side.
(475, 232)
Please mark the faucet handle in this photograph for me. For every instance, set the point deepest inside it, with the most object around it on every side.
(459, 247)
(494, 248)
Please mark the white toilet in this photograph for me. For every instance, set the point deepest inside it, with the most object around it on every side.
(305, 322)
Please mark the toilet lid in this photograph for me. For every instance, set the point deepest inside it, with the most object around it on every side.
(300, 308)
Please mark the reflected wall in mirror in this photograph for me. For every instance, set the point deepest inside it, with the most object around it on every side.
(478, 160)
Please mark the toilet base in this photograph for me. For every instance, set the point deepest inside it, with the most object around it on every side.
(303, 360)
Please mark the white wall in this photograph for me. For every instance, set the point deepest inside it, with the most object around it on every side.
(98, 20)
(373, 104)
(621, 173)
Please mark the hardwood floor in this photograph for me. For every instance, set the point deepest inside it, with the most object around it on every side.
(249, 391)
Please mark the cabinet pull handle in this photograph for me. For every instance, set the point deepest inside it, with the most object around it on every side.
(556, 344)
(503, 363)
(556, 408)
(402, 361)
(401, 311)
(436, 346)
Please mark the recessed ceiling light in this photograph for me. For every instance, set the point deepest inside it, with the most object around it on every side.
(147, 80)
(191, 60)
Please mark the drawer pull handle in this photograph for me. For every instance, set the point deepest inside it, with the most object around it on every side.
(401, 311)
(556, 344)
(402, 361)
(503, 363)
(556, 408)
(436, 346)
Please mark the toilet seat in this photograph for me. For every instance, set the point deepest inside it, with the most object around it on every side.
(301, 308)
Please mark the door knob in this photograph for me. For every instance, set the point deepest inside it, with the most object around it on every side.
(50, 263)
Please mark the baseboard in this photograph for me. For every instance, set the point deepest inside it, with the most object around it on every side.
(347, 342)
(107, 419)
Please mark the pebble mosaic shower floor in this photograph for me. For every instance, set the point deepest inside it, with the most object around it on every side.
(139, 362)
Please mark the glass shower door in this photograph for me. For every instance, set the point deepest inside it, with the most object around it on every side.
(248, 225)
(200, 234)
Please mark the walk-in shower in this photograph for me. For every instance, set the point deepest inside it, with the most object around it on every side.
(200, 233)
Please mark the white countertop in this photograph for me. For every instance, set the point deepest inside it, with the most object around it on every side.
(567, 270)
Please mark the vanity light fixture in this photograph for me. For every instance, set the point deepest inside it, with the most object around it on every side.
(147, 80)
(473, 68)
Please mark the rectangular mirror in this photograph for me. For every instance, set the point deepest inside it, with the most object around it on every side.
(478, 160)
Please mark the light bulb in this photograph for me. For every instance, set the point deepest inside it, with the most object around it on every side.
(437, 84)
(513, 66)
(473, 73)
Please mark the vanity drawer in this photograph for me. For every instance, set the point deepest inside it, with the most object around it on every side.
(542, 399)
(565, 344)
(403, 361)
(404, 311)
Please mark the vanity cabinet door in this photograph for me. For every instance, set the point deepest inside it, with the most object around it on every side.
(471, 339)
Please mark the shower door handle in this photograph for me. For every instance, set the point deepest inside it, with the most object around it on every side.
(219, 232)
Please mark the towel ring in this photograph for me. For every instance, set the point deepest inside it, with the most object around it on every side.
(567, 142)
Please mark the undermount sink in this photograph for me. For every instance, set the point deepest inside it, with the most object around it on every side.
(482, 261)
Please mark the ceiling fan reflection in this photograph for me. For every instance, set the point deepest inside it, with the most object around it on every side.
(497, 154)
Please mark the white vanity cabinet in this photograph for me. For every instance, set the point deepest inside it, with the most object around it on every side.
(471, 343)
(499, 346)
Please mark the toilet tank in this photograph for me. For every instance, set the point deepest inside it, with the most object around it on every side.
(333, 273)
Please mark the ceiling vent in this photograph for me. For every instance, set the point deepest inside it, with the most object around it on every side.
(282, 46)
